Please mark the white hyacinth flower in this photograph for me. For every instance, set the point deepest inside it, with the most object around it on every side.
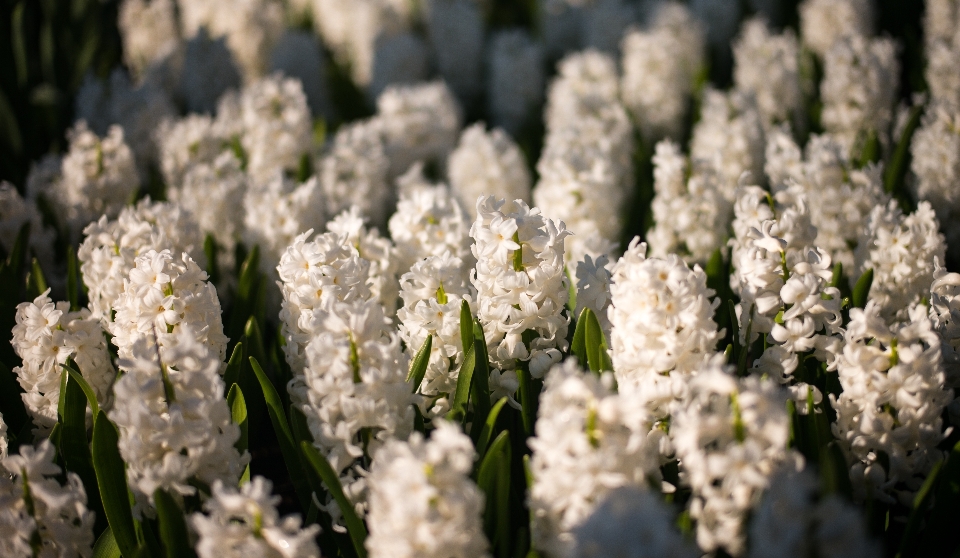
(824, 22)
(521, 284)
(378, 250)
(889, 413)
(433, 292)
(419, 123)
(589, 442)
(245, 522)
(277, 129)
(173, 418)
(422, 500)
(356, 397)
(487, 164)
(935, 150)
(354, 172)
(111, 247)
(662, 327)
(40, 517)
(901, 251)
(46, 334)
(730, 436)
(768, 65)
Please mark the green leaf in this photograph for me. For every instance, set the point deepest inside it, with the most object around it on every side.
(248, 284)
(488, 427)
(458, 408)
(355, 527)
(112, 480)
(73, 441)
(232, 374)
(834, 471)
(909, 541)
(579, 345)
(493, 478)
(595, 344)
(894, 178)
(466, 326)
(571, 290)
(173, 526)
(87, 390)
(837, 275)
(870, 152)
(37, 282)
(106, 546)
(940, 536)
(210, 250)
(284, 435)
(861, 291)
(480, 383)
(238, 413)
(11, 405)
(418, 368)
(73, 280)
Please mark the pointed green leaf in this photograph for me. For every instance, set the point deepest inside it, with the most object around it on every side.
(466, 326)
(38, 283)
(73, 441)
(106, 546)
(921, 502)
(232, 374)
(418, 368)
(355, 527)
(87, 390)
(579, 345)
(896, 172)
(595, 344)
(112, 480)
(210, 250)
(571, 290)
(488, 478)
(284, 435)
(173, 527)
(480, 382)
(488, 427)
(238, 413)
(861, 291)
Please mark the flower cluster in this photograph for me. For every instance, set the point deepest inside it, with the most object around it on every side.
(46, 334)
(521, 286)
(245, 522)
(39, 515)
(422, 501)
(590, 441)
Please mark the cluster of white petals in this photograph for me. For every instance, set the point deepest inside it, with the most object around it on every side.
(245, 522)
(422, 500)
(945, 314)
(690, 210)
(856, 93)
(586, 167)
(313, 273)
(39, 516)
(429, 221)
(768, 66)
(660, 67)
(889, 413)
(590, 441)
(354, 393)
(111, 247)
(935, 150)
(433, 292)
(251, 28)
(791, 520)
(902, 251)
(276, 126)
(941, 38)
(96, 177)
(824, 22)
(173, 418)
(353, 172)
(729, 138)
(163, 294)
(418, 123)
(487, 164)
(376, 249)
(730, 436)
(632, 523)
(521, 287)
(839, 196)
(662, 327)
(149, 32)
(46, 334)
